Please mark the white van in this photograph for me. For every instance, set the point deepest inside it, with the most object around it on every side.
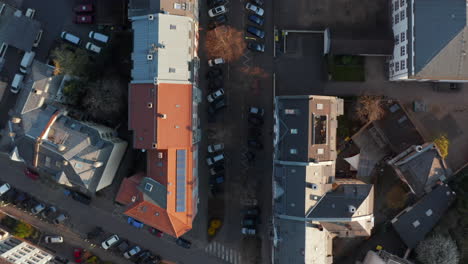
(70, 38)
(16, 83)
(26, 61)
(98, 36)
(90, 46)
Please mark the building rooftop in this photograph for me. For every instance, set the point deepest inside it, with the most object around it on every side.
(174, 7)
(16, 29)
(307, 128)
(413, 223)
(159, 55)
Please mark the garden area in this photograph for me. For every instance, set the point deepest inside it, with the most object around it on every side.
(345, 68)
(20, 229)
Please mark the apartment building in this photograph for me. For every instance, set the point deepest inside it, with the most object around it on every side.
(14, 250)
(188, 8)
(163, 107)
(310, 206)
(429, 41)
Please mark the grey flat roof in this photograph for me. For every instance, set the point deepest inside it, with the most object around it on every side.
(415, 222)
(18, 31)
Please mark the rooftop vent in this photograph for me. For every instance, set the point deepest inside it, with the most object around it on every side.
(154, 145)
(163, 116)
(149, 105)
(148, 187)
(416, 223)
(16, 120)
(418, 148)
(65, 163)
(351, 209)
(150, 17)
(429, 212)
(98, 164)
(155, 80)
(149, 57)
(133, 198)
(160, 155)
(61, 148)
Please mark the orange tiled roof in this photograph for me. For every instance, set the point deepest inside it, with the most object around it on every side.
(128, 189)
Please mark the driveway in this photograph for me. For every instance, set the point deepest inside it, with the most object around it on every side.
(84, 218)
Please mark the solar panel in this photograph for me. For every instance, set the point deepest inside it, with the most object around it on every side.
(181, 174)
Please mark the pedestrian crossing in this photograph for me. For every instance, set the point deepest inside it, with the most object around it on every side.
(220, 251)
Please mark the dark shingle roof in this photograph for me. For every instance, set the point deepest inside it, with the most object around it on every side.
(416, 221)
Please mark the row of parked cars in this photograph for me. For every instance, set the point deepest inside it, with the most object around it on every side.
(69, 37)
(216, 96)
(255, 119)
(215, 161)
(250, 221)
(255, 16)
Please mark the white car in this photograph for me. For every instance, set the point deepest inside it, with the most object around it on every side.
(215, 147)
(132, 252)
(248, 231)
(214, 62)
(90, 46)
(110, 242)
(215, 95)
(212, 160)
(257, 10)
(98, 36)
(217, 11)
(38, 208)
(53, 239)
(4, 188)
(30, 13)
(256, 111)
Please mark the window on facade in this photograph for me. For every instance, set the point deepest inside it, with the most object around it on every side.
(402, 14)
(293, 151)
(172, 70)
(403, 36)
(397, 66)
(403, 64)
(402, 51)
(173, 27)
(397, 39)
(396, 6)
(397, 18)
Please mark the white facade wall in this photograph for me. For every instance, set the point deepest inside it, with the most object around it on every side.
(26, 253)
(398, 69)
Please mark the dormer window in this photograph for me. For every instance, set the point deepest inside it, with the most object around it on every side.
(148, 187)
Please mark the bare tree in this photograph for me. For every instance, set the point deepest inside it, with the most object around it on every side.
(437, 249)
(369, 108)
(104, 99)
(225, 42)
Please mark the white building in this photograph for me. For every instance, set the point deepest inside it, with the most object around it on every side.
(15, 250)
(430, 37)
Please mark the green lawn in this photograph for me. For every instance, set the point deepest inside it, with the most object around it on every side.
(346, 68)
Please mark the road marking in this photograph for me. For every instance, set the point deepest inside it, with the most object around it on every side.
(220, 251)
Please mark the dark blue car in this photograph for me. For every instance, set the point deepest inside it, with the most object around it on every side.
(134, 222)
(256, 19)
(256, 31)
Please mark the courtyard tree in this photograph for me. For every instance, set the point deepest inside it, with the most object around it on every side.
(442, 144)
(23, 230)
(437, 249)
(74, 90)
(104, 99)
(68, 60)
(226, 42)
(369, 108)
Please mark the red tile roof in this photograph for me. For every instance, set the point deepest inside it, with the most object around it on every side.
(142, 115)
(128, 189)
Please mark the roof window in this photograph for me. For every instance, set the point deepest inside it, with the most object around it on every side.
(293, 151)
(294, 131)
(172, 70)
(148, 187)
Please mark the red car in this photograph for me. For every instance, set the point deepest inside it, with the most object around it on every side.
(31, 174)
(156, 232)
(83, 9)
(78, 254)
(83, 19)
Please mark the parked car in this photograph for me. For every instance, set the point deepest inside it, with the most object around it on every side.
(215, 159)
(83, 19)
(212, 3)
(106, 244)
(215, 107)
(60, 218)
(255, 132)
(37, 208)
(217, 21)
(253, 143)
(252, 211)
(37, 40)
(214, 72)
(258, 2)
(217, 169)
(30, 174)
(217, 11)
(156, 232)
(123, 246)
(216, 62)
(83, 9)
(215, 147)
(255, 46)
(256, 31)
(146, 257)
(8, 198)
(250, 156)
(48, 212)
(249, 221)
(90, 46)
(256, 111)
(53, 239)
(70, 38)
(78, 255)
(253, 8)
(255, 120)
(4, 188)
(183, 243)
(218, 178)
(133, 222)
(20, 197)
(98, 36)
(132, 252)
(215, 95)
(17, 83)
(84, 199)
(96, 232)
(216, 83)
(249, 231)
(256, 19)
(30, 13)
